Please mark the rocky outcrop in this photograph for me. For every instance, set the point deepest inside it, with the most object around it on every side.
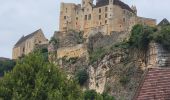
(117, 74)
(68, 39)
(99, 40)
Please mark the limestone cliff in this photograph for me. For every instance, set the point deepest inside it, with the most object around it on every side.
(117, 73)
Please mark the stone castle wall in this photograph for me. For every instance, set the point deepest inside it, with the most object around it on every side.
(108, 18)
(75, 51)
(157, 56)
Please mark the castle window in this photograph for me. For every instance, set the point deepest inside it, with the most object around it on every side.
(100, 10)
(85, 17)
(106, 8)
(89, 18)
(64, 17)
(76, 18)
(99, 17)
(105, 21)
(76, 23)
(106, 15)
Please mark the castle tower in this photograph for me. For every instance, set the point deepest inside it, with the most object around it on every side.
(85, 2)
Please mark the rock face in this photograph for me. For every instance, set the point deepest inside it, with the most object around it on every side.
(99, 40)
(117, 74)
(97, 79)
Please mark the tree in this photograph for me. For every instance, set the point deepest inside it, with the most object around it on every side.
(141, 36)
(33, 78)
(5, 66)
(93, 95)
(163, 36)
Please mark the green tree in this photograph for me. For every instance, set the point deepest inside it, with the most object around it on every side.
(5, 66)
(141, 36)
(93, 95)
(35, 79)
(163, 36)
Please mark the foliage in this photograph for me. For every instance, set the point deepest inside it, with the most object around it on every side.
(123, 45)
(124, 80)
(95, 55)
(163, 36)
(35, 79)
(82, 76)
(6, 65)
(93, 95)
(141, 36)
(79, 37)
(43, 51)
(53, 40)
(71, 60)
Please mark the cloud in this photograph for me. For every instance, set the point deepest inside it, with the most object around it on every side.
(22, 17)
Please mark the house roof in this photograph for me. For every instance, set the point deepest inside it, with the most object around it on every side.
(23, 38)
(155, 85)
(101, 3)
(164, 22)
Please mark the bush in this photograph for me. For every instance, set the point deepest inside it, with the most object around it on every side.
(82, 76)
(93, 95)
(95, 55)
(163, 37)
(90, 95)
(141, 36)
(124, 80)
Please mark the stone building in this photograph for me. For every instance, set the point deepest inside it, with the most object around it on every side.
(105, 16)
(26, 44)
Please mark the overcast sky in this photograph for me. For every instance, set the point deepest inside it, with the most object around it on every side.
(22, 17)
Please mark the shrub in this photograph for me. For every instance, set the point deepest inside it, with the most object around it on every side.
(90, 95)
(124, 80)
(82, 76)
(141, 36)
(163, 37)
(95, 55)
(93, 95)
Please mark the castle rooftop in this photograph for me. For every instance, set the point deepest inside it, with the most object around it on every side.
(23, 38)
(101, 3)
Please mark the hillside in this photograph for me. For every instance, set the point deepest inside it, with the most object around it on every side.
(115, 64)
(3, 59)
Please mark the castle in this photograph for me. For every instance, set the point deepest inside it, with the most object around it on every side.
(105, 16)
(109, 17)
(27, 44)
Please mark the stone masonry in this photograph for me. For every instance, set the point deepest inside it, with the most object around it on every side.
(105, 16)
(27, 44)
